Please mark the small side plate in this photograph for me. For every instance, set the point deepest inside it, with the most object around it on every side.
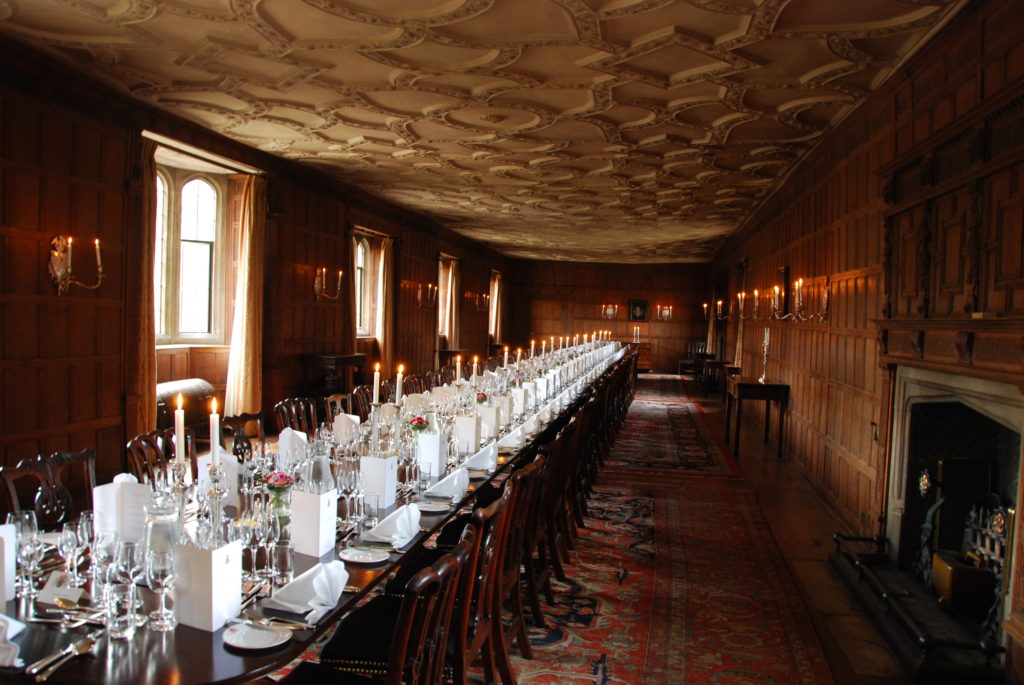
(432, 507)
(244, 636)
(363, 555)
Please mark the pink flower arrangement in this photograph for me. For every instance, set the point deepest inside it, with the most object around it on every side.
(278, 481)
(481, 397)
(419, 424)
(516, 382)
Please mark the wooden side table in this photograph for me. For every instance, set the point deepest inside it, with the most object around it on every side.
(749, 388)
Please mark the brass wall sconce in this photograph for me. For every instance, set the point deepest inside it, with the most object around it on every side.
(59, 265)
(426, 294)
(320, 285)
(483, 303)
(609, 311)
(663, 312)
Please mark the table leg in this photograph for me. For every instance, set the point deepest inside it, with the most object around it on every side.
(739, 418)
(782, 426)
(767, 418)
(728, 415)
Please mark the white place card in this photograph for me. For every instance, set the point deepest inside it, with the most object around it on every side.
(58, 585)
(208, 586)
(346, 426)
(433, 451)
(380, 477)
(518, 401)
(542, 388)
(467, 433)
(119, 508)
(490, 420)
(531, 395)
(8, 555)
(314, 522)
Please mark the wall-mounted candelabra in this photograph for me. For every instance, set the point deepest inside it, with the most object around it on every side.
(320, 285)
(609, 311)
(60, 264)
(663, 312)
(483, 302)
(772, 305)
(426, 294)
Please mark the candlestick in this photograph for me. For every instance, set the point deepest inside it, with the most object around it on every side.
(68, 267)
(376, 383)
(474, 365)
(764, 356)
(99, 259)
(398, 384)
(757, 301)
(458, 366)
(505, 364)
(179, 432)
(531, 349)
(519, 354)
(777, 300)
(215, 434)
(543, 346)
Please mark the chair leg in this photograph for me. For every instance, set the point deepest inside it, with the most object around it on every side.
(556, 562)
(530, 576)
(522, 639)
(497, 645)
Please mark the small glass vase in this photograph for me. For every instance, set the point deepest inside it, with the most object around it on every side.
(281, 504)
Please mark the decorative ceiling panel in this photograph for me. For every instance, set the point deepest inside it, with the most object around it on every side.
(590, 130)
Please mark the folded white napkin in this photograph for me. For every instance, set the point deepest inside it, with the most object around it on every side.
(531, 425)
(9, 627)
(485, 459)
(292, 442)
(452, 485)
(388, 411)
(398, 528)
(513, 439)
(125, 478)
(313, 593)
(346, 426)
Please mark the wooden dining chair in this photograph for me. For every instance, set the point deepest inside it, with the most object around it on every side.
(152, 452)
(29, 486)
(387, 390)
(362, 399)
(394, 639)
(525, 488)
(297, 413)
(337, 404)
(243, 429)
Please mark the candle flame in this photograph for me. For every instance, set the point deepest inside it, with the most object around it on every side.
(376, 367)
(475, 358)
(97, 241)
(214, 405)
(401, 368)
(179, 400)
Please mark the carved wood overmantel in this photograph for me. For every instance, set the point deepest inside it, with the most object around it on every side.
(953, 259)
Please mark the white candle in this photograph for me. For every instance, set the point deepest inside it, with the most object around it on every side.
(531, 349)
(458, 366)
(179, 431)
(543, 344)
(584, 338)
(718, 308)
(99, 260)
(68, 267)
(506, 357)
(757, 299)
(376, 383)
(398, 384)
(474, 365)
(215, 434)
(777, 300)
(519, 354)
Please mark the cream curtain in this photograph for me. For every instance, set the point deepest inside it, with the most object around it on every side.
(710, 348)
(496, 334)
(385, 302)
(245, 360)
(140, 415)
(737, 358)
(454, 299)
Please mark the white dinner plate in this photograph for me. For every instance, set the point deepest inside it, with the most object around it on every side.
(363, 555)
(432, 507)
(478, 474)
(244, 636)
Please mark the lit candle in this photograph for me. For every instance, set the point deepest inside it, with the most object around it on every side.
(474, 365)
(99, 259)
(718, 308)
(179, 431)
(576, 340)
(68, 267)
(519, 354)
(398, 384)
(584, 338)
(757, 299)
(777, 300)
(215, 434)
(505, 364)
(705, 310)
(376, 383)
(799, 287)
(543, 346)
(458, 366)
(531, 349)
(552, 343)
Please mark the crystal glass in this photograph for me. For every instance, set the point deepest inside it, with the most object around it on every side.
(86, 530)
(250, 531)
(30, 553)
(284, 562)
(120, 618)
(101, 558)
(160, 579)
(67, 545)
(269, 532)
(129, 569)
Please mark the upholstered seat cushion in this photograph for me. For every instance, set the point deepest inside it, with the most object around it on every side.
(362, 641)
(195, 393)
(317, 674)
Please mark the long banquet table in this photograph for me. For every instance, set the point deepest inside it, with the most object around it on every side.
(188, 655)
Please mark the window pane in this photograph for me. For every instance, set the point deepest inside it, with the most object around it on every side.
(198, 211)
(194, 305)
(160, 257)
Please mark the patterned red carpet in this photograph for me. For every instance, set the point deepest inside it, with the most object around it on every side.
(676, 578)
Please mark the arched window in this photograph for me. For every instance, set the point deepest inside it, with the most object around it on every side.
(364, 306)
(188, 261)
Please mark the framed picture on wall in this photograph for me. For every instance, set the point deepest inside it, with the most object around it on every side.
(638, 310)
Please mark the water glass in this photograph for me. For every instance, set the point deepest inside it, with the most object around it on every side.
(284, 562)
(371, 510)
(68, 546)
(269, 533)
(120, 618)
(160, 579)
(30, 553)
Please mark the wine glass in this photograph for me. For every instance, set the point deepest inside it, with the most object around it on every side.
(86, 530)
(250, 530)
(160, 579)
(269, 532)
(130, 568)
(101, 558)
(67, 545)
(30, 552)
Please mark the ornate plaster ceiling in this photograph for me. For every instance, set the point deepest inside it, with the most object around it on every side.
(591, 130)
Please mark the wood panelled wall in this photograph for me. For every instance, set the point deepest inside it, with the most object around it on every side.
(66, 166)
(555, 298)
(828, 221)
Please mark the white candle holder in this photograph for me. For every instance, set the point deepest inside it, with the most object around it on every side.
(217, 492)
